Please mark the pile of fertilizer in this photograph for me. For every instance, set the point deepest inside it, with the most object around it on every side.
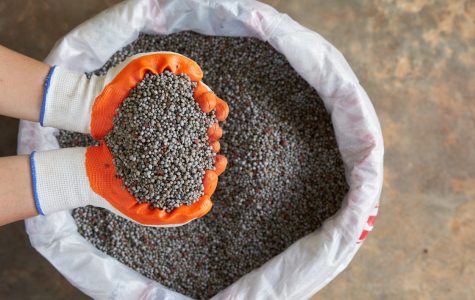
(284, 178)
(159, 142)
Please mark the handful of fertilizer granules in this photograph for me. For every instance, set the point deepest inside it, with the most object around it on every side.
(160, 144)
(157, 161)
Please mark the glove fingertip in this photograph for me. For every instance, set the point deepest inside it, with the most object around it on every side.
(221, 163)
(210, 182)
(207, 101)
(222, 109)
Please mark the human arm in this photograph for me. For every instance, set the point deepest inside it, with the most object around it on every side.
(21, 90)
(21, 85)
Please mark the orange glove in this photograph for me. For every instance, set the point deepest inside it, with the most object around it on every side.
(99, 168)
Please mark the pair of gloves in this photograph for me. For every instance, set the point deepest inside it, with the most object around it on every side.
(75, 177)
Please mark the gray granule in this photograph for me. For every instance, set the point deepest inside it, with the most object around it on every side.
(74, 139)
(159, 142)
(284, 178)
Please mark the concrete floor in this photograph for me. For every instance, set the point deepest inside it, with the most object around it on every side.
(416, 60)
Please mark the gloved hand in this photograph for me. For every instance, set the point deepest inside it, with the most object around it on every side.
(70, 178)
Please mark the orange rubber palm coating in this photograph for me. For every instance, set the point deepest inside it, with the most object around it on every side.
(209, 101)
(99, 164)
(210, 182)
(222, 109)
(216, 146)
(205, 98)
(103, 180)
(221, 163)
(215, 132)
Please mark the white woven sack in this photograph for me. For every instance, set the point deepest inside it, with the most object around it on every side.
(311, 262)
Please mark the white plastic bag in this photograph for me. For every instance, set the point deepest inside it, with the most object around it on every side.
(311, 262)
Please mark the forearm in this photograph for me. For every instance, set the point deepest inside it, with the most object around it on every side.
(16, 194)
(21, 85)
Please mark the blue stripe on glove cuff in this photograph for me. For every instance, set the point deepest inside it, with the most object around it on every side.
(33, 181)
(45, 93)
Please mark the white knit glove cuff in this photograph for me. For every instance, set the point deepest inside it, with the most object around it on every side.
(60, 181)
(67, 100)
